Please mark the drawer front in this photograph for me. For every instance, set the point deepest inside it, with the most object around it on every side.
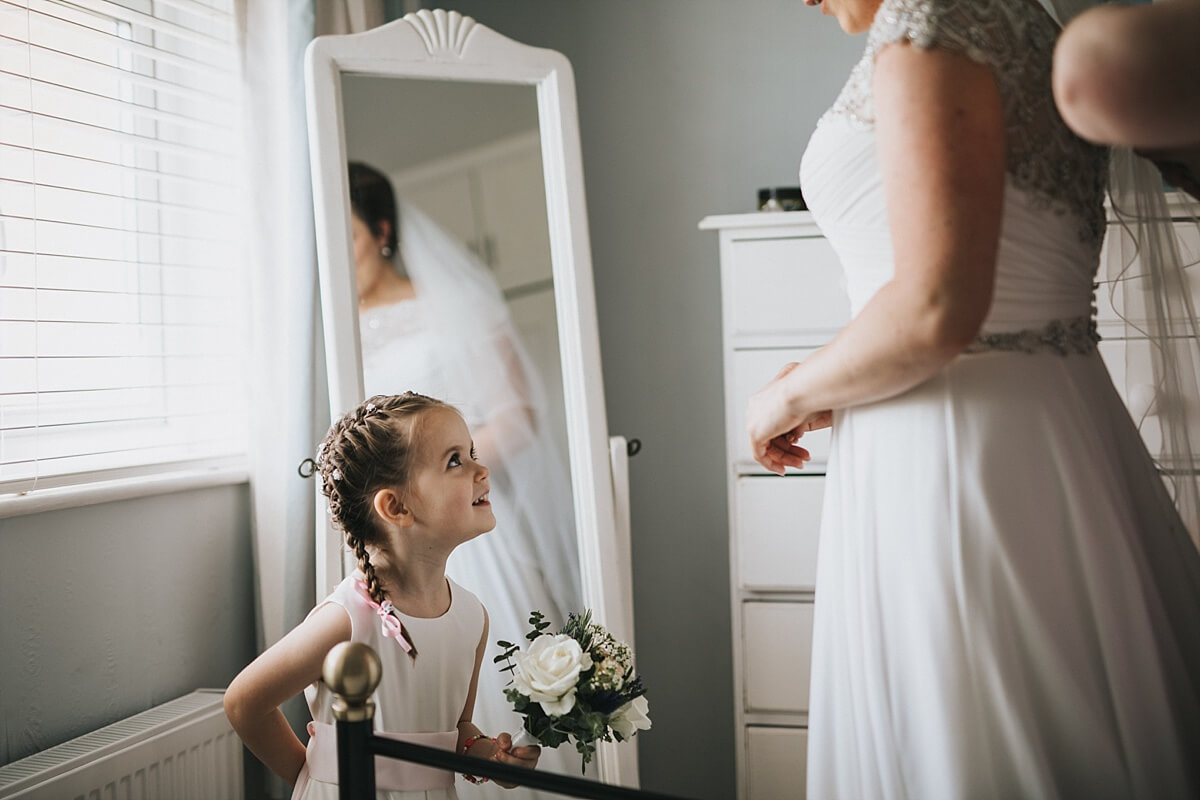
(785, 286)
(753, 369)
(1128, 362)
(778, 520)
(1128, 297)
(777, 655)
(776, 763)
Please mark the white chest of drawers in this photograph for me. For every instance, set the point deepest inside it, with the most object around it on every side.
(782, 298)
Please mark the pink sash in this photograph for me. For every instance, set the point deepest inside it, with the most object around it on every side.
(390, 774)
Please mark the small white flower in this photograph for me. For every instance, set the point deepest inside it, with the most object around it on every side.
(548, 673)
(609, 674)
(606, 647)
(632, 717)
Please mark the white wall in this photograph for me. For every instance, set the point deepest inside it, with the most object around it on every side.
(110, 609)
(687, 107)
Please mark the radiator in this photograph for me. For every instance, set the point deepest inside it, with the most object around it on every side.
(179, 750)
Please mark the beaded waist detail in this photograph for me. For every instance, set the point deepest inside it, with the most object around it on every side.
(1062, 336)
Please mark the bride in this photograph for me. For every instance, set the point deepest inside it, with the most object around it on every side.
(432, 320)
(1007, 600)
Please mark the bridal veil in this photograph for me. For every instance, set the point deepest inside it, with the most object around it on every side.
(1152, 284)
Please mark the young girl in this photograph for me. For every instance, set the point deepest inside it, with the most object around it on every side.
(403, 484)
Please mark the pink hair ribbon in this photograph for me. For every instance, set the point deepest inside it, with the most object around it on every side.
(391, 625)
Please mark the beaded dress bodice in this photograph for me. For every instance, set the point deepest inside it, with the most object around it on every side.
(1054, 219)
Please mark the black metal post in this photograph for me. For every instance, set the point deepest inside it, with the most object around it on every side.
(352, 670)
(356, 763)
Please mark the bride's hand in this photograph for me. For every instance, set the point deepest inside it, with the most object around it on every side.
(774, 427)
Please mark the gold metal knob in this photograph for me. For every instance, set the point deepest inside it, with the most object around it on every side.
(352, 670)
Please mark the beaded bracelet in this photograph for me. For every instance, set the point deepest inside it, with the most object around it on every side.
(467, 746)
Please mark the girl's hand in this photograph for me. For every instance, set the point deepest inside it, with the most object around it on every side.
(774, 426)
(516, 756)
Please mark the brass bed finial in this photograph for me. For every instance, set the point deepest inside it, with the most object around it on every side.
(352, 670)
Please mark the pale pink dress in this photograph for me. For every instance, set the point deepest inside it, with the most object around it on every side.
(425, 695)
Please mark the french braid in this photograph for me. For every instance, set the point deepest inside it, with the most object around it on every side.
(366, 450)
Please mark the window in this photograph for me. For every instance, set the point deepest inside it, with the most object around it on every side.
(123, 277)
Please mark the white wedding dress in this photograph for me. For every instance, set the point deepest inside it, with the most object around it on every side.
(1007, 603)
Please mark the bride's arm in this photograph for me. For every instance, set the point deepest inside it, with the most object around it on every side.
(940, 139)
(1128, 75)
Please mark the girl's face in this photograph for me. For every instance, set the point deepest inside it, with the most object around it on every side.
(448, 491)
(855, 16)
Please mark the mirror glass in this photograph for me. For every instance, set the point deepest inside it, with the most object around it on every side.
(469, 156)
(479, 329)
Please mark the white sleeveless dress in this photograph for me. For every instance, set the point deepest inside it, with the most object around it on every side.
(1007, 604)
(400, 353)
(422, 695)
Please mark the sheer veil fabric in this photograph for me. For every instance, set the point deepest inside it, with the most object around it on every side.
(1153, 286)
(1156, 284)
(491, 378)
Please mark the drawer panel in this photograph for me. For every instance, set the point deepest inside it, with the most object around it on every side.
(777, 655)
(753, 369)
(785, 286)
(776, 763)
(777, 524)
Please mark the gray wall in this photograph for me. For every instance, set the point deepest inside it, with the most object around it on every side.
(107, 610)
(686, 108)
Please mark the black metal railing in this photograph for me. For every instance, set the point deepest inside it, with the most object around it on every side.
(352, 671)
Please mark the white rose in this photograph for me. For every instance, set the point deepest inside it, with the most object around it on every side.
(549, 672)
(632, 717)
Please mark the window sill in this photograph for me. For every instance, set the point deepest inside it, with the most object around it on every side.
(53, 499)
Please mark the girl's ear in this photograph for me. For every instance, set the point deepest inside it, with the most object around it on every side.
(389, 505)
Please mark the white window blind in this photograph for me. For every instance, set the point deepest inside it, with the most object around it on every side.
(123, 279)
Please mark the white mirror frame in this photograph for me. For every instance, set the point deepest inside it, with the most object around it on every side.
(441, 45)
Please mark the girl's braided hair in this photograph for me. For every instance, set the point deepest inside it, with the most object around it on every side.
(368, 449)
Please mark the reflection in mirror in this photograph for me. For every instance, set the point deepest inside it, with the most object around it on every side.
(456, 300)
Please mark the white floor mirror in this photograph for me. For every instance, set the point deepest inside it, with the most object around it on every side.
(475, 137)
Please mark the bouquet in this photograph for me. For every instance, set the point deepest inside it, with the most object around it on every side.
(577, 684)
